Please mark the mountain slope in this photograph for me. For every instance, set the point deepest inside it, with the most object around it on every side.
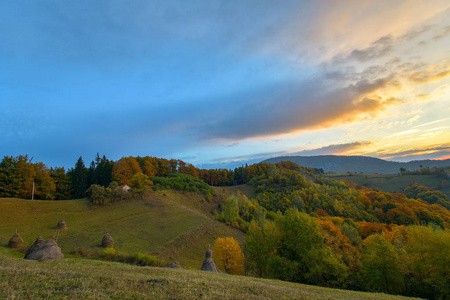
(368, 165)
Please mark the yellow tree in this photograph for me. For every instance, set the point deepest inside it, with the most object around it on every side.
(228, 255)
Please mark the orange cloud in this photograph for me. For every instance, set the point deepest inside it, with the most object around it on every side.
(444, 157)
(431, 74)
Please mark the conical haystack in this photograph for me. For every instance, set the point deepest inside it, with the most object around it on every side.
(49, 250)
(107, 241)
(16, 241)
(208, 263)
(61, 225)
(38, 243)
(175, 265)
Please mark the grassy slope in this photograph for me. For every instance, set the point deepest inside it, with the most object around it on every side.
(162, 224)
(89, 279)
(391, 183)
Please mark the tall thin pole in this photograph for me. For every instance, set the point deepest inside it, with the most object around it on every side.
(32, 195)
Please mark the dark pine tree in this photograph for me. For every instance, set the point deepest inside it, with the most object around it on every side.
(79, 178)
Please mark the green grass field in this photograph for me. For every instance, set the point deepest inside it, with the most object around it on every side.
(168, 224)
(91, 279)
(391, 183)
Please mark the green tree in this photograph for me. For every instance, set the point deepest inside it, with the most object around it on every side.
(260, 246)
(428, 251)
(231, 210)
(380, 264)
(62, 183)
(303, 256)
(140, 183)
(79, 178)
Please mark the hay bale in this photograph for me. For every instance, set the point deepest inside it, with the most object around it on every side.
(107, 241)
(49, 250)
(38, 243)
(175, 265)
(208, 263)
(16, 241)
(61, 225)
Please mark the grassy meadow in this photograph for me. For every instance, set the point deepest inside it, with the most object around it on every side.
(92, 279)
(167, 224)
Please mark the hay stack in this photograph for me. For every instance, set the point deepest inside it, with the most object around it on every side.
(175, 265)
(208, 263)
(38, 243)
(61, 225)
(49, 250)
(16, 241)
(107, 241)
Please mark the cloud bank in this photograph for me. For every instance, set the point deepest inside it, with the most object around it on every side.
(164, 78)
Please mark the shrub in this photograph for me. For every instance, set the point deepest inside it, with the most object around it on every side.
(182, 182)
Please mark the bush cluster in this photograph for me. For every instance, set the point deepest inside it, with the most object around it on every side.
(182, 182)
(110, 254)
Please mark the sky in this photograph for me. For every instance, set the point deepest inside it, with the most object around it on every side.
(221, 83)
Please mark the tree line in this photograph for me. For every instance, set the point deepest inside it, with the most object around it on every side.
(17, 175)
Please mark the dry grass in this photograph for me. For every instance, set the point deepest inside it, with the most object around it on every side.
(88, 279)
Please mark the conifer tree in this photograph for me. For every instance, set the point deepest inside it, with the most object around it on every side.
(79, 178)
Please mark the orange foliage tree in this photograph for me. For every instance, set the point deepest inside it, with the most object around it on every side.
(124, 169)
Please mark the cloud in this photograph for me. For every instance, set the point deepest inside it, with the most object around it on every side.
(419, 153)
(338, 149)
(432, 73)
(323, 30)
(442, 34)
(378, 49)
(284, 109)
(432, 122)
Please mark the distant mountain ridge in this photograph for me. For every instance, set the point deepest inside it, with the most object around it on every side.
(358, 164)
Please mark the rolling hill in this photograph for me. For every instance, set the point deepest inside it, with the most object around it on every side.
(358, 164)
(88, 279)
(169, 224)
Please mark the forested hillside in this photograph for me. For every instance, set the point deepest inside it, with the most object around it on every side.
(339, 234)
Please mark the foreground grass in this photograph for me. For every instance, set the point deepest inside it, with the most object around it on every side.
(89, 279)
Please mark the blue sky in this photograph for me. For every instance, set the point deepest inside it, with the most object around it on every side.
(218, 83)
